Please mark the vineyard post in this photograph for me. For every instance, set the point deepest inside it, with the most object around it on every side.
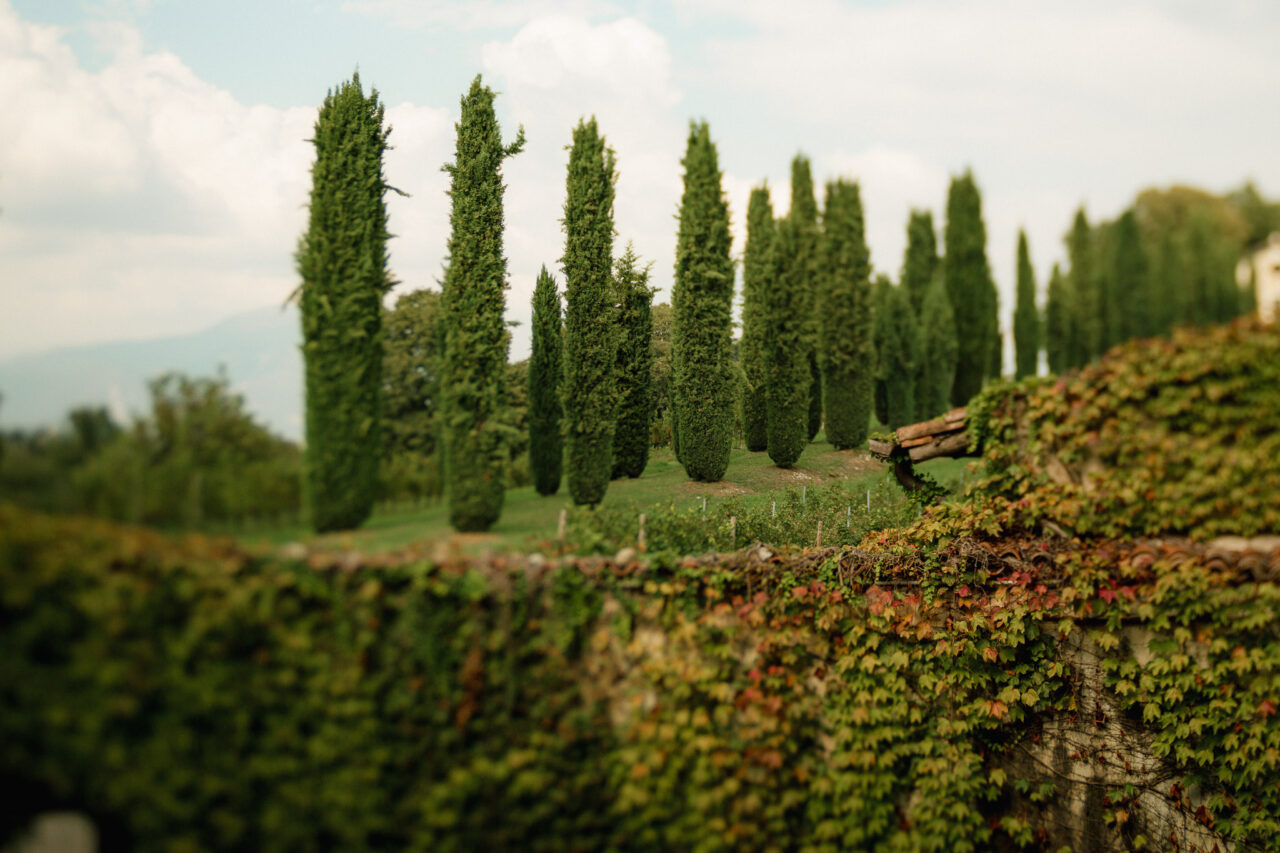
(819, 542)
(560, 527)
(640, 536)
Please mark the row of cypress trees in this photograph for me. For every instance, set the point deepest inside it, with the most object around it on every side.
(820, 343)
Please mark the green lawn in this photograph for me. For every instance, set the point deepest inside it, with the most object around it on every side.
(528, 518)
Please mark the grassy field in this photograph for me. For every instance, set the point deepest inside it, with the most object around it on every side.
(529, 518)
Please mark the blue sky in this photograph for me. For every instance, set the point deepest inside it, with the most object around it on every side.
(153, 168)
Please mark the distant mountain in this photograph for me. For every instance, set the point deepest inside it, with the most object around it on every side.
(259, 350)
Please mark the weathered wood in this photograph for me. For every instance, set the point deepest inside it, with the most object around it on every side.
(880, 448)
(952, 445)
(955, 415)
(927, 428)
(925, 439)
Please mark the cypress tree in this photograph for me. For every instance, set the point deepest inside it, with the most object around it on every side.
(1131, 307)
(1026, 319)
(590, 335)
(757, 272)
(920, 261)
(969, 286)
(635, 365)
(847, 348)
(473, 372)
(342, 260)
(940, 348)
(1090, 332)
(1058, 322)
(804, 212)
(900, 359)
(702, 298)
(787, 373)
(545, 410)
(880, 338)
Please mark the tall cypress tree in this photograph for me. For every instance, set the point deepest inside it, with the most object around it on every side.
(786, 361)
(545, 371)
(590, 334)
(1058, 322)
(473, 371)
(901, 358)
(880, 336)
(1026, 319)
(1089, 336)
(702, 299)
(920, 260)
(804, 213)
(969, 286)
(1131, 307)
(342, 260)
(757, 273)
(940, 349)
(846, 343)
(635, 365)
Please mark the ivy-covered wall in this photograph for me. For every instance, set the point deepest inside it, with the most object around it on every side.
(1027, 666)
(194, 697)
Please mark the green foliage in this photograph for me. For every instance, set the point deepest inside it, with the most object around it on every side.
(413, 342)
(958, 684)
(782, 519)
(199, 457)
(757, 278)
(635, 366)
(1163, 437)
(545, 371)
(661, 372)
(702, 299)
(939, 352)
(590, 333)
(1090, 322)
(786, 363)
(1059, 322)
(900, 356)
(342, 260)
(880, 335)
(804, 213)
(920, 260)
(1130, 289)
(473, 379)
(846, 344)
(969, 286)
(1026, 317)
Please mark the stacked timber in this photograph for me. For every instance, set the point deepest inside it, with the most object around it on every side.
(944, 436)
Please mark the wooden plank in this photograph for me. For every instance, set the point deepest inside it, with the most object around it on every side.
(911, 431)
(952, 445)
(955, 415)
(880, 448)
(916, 442)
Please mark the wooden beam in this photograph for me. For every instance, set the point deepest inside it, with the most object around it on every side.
(880, 448)
(913, 431)
(952, 445)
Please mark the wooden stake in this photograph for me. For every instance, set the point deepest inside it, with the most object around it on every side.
(733, 533)
(819, 533)
(640, 537)
(564, 520)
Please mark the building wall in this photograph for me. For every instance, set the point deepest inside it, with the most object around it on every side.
(1266, 269)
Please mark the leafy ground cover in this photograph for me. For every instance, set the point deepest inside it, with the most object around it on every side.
(1031, 665)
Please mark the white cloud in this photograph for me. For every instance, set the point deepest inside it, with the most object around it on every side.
(144, 201)
(473, 14)
(553, 72)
